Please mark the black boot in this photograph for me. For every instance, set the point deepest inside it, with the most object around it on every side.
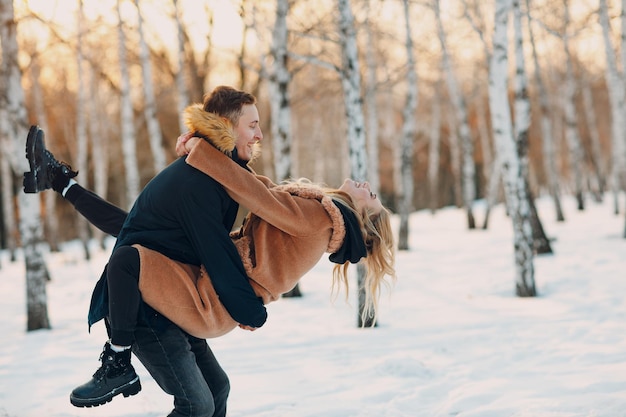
(45, 171)
(115, 376)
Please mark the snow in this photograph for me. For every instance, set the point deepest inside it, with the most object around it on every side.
(453, 339)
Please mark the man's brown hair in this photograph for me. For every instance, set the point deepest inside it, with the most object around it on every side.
(227, 102)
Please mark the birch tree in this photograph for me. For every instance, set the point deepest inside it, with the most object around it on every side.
(128, 127)
(99, 148)
(351, 82)
(615, 86)
(541, 243)
(512, 170)
(9, 225)
(81, 123)
(547, 138)
(405, 197)
(434, 146)
(183, 95)
(468, 170)
(597, 159)
(13, 130)
(280, 103)
(571, 127)
(51, 222)
(149, 105)
(371, 90)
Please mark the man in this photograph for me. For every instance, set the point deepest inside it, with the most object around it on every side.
(174, 215)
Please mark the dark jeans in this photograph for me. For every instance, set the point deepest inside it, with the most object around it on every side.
(183, 366)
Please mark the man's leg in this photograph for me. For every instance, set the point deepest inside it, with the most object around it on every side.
(183, 366)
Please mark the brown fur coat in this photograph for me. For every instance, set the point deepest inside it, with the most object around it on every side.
(289, 229)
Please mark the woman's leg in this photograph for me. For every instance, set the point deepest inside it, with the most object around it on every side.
(124, 297)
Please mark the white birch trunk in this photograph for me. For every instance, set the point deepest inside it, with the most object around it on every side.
(512, 174)
(408, 134)
(541, 243)
(599, 164)
(576, 163)
(434, 147)
(468, 170)
(279, 81)
(455, 157)
(81, 126)
(183, 95)
(150, 108)
(547, 138)
(128, 129)
(372, 107)
(351, 83)
(9, 225)
(99, 148)
(615, 85)
(13, 130)
(51, 221)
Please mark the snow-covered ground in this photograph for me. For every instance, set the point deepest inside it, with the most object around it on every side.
(453, 339)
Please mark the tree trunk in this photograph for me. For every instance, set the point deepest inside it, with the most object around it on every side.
(468, 170)
(9, 225)
(408, 135)
(51, 220)
(575, 153)
(615, 85)
(541, 244)
(128, 127)
(515, 191)
(150, 108)
(280, 104)
(597, 159)
(81, 125)
(99, 148)
(183, 95)
(434, 150)
(13, 125)
(547, 138)
(351, 83)
(372, 106)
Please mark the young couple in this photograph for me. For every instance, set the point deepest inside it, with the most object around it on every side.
(176, 276)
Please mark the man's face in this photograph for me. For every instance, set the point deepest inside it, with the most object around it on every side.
(247, 132)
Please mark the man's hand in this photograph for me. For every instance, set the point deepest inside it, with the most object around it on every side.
(185, 143)
(244, 327)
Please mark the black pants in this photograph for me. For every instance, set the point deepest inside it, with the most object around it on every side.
(124, 297)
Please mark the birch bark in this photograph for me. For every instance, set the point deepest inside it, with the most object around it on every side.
(512, 172)
(13, 130)
(468, 170)
(127, 125)
(150, 108)
(408, 134)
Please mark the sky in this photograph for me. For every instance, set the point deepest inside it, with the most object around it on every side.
(452, 340)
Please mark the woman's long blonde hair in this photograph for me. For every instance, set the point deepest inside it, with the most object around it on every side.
(380, 260)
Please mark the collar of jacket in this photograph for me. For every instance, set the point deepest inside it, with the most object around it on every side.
(353, 248)
(216, 130)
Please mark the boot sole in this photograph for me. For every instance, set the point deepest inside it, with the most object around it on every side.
(131, 388)
(30, 178)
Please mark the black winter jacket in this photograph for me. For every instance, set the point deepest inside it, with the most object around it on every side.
(187, 216)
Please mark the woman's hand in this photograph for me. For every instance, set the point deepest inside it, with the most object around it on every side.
(185, 143)
(244, 327)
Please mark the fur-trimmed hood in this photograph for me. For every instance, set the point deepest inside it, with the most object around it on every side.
(217, 130)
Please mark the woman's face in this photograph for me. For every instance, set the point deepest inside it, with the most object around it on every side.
(362, 196)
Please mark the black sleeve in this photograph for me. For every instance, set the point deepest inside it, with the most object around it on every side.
(99, 212)
(201, 219)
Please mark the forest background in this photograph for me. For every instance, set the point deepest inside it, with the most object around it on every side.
(73, 84)
(435, 102)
